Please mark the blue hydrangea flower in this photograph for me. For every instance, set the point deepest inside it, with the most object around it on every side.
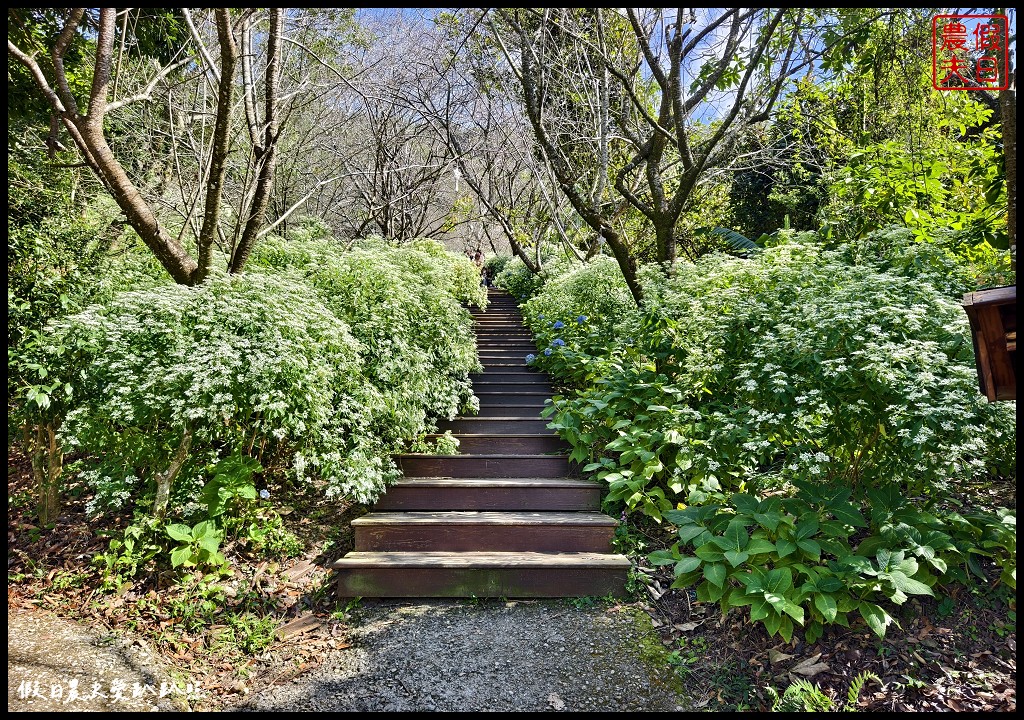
(581, 319)
(558, 342)
(547, 351)
(265, 494)
(530, 358)
(558, 325)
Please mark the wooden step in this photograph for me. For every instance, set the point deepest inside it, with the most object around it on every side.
(516, 373)
(481, 574)
(525, 411)
(497, 465)
(520, 349)
(540, 494)
(506, 517)
(502, 364)
(484, 531)
(538, 385)
(530, 444)
(503, 360)
(505, 399)
(494, 425)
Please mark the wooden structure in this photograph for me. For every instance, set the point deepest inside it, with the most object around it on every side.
(507, 517)
(993, 317)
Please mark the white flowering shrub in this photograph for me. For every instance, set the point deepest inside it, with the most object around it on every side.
(587, 308)
(458, 274)
(517, 279)
(799, 418)
(241, 364)
(319, 362)
(793, 366)
(417, 345)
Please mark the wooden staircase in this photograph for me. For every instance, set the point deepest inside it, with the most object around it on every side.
(504, 518)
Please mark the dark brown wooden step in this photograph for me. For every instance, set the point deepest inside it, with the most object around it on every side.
(538, 385)
(517, 349)
(470, 444)
(494, 425)
(496, 465)
(481, 574)
(483, 531)
(503, 399)
(513, 360)
(508, 374)
(527, 411)
(541, 494)
(492, 364)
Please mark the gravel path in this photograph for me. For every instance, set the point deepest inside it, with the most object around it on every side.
(444, 656)
(54, 665)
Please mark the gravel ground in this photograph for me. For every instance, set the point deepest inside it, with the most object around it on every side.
(515, 656)
(55, 665)
(442, 656)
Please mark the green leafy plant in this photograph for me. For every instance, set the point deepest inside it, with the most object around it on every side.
(804, 695)
(136, 550)
(265, 534)
(790, 561)
(232, 483)
(199, 545)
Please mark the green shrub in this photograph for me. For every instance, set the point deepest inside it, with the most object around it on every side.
(747, 374)
(801, 418)
(417, 343)
(253, 362)
(518, 280)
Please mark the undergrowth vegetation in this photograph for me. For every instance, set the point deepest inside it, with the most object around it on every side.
(798, 418)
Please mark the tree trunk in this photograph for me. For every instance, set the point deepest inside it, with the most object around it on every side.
(165, 479)
(47, 457)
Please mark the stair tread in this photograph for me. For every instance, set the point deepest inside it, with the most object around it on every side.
(490, 481)
(500, 436)
(483, 456)
(480, 559)
(592, 518)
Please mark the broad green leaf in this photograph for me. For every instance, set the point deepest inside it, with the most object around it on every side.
(786, 629)
(715, 573)
(689, 532)
(210, 543)
(759, 546)
(736, 558)
(909, 585)
(848, 514)
(662, 557)
(785, 547)
(768, 520)
(181, 556)
(745, 503)
(181, 533)
(876, 618)
(759, 609)
(687, 565)
(810, 548)
(709, 553)
(779, 580)
(826, 606)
